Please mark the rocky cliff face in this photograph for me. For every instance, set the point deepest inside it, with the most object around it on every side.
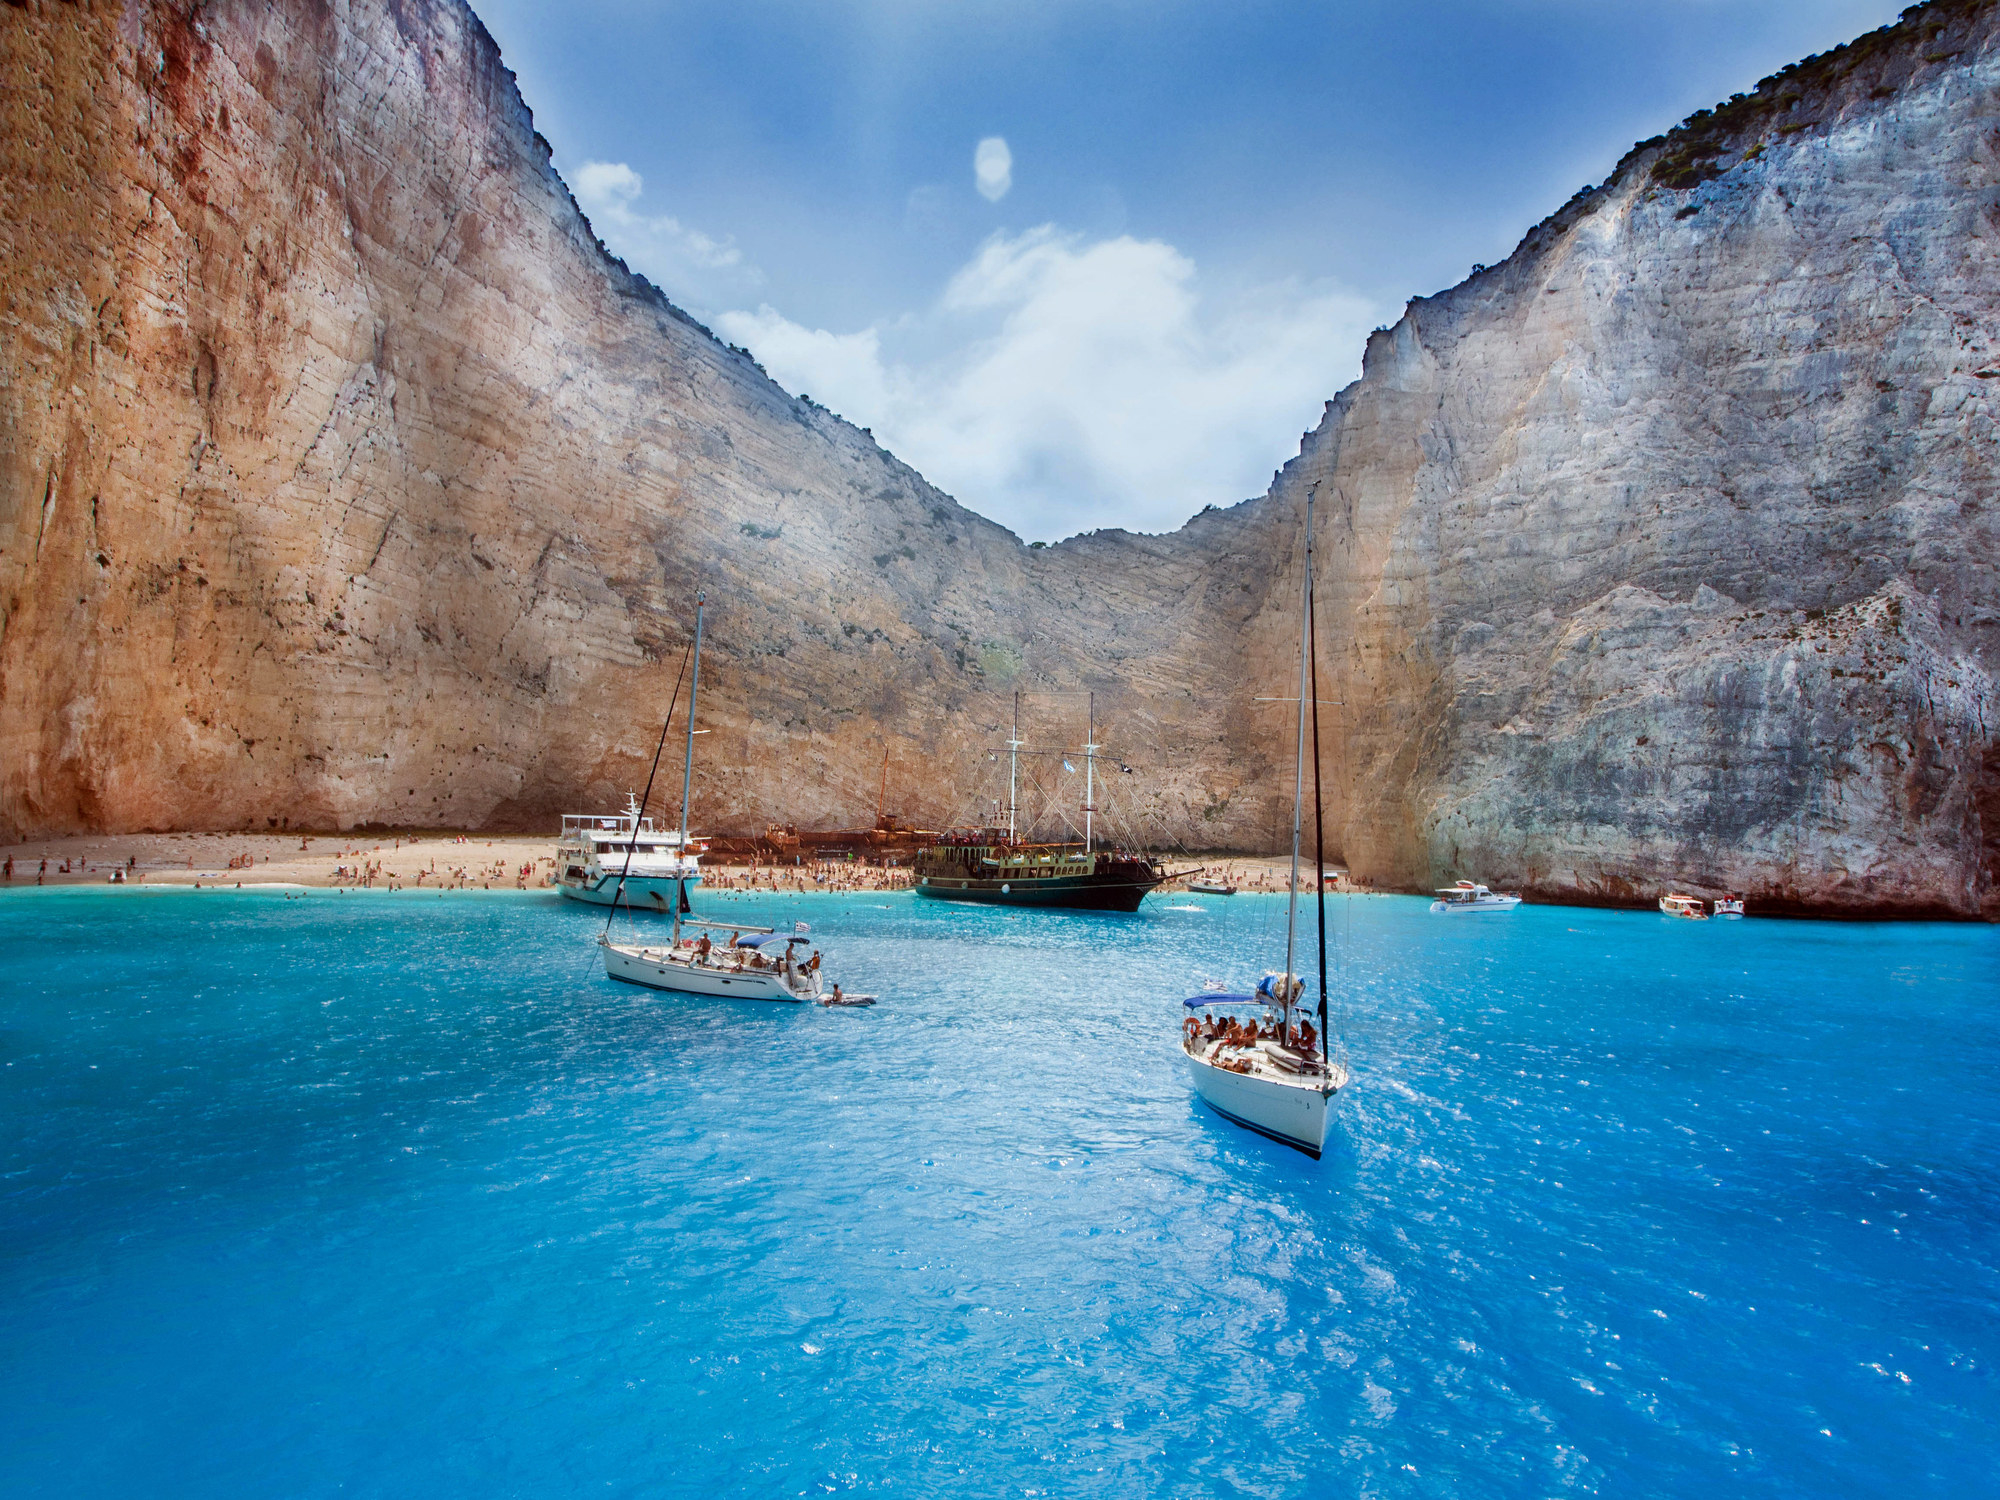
(344, 479)
(1667, 549)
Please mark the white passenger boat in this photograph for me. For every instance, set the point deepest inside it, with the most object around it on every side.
(1275, 1075)
(1207, 887)
(596, 853)
(1676, 905)
(1468, 897)
(1728, 906)
(759, 966)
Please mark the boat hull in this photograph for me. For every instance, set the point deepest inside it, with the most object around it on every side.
(1293, 1113)
(652, 968)
(641, 894)
(1475, 908)
(1070, 893)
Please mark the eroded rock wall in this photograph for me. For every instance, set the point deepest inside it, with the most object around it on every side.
(344, 479)
(1667, 550)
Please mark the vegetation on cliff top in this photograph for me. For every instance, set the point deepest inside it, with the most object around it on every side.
(1873, 67)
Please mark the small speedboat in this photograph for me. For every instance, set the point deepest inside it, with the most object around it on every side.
(1468, 896)
(1728, 906)
(1676, 905)
(1207, 887)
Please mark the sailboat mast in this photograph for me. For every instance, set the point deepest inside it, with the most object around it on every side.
(1089, 773)
(687, 769)
(1319, 830)
(639, 812)
(1299, 777)
(1013, 760)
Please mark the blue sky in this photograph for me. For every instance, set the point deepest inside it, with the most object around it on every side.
(1205, 209)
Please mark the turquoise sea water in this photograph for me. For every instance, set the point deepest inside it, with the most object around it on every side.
(396, 1195)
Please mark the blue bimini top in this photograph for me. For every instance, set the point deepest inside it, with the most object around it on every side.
(1194, 1002)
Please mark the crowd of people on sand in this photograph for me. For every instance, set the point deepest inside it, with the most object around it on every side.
(116, 871)
(808, 875)
(429, 877)
(1275, 878)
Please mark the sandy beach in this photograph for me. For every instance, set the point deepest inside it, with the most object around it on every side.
(436, 861)
(432, 860)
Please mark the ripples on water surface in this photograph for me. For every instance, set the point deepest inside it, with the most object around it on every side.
(397, 1195)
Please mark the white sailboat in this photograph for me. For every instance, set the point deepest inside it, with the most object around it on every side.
(1275, 1075)
(753, 963)
(743, 967)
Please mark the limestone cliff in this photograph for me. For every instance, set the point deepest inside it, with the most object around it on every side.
(1668, 549)
(344, 478)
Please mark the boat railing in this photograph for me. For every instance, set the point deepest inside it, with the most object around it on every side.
(619, 829)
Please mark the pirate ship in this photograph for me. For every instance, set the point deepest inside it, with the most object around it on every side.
(995, 866)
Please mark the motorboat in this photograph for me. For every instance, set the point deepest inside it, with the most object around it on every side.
(624, 858)
(1728, 906)
(753, 963)
(1676, 905)
(1208, 887)
(1468, 896)
(1275, 1075)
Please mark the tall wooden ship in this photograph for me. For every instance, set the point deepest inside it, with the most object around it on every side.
(986, 865)
(994, 866)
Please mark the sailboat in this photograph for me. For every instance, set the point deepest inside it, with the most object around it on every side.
(1255, 1058)
(752, 963)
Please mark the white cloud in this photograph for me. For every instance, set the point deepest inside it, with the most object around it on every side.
(691, 267)
(993, 168)
(1083, 383)
(813, 362)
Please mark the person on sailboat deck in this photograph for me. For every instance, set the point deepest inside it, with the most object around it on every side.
(702, 947)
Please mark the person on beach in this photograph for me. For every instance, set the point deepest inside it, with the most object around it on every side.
(10, 867)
